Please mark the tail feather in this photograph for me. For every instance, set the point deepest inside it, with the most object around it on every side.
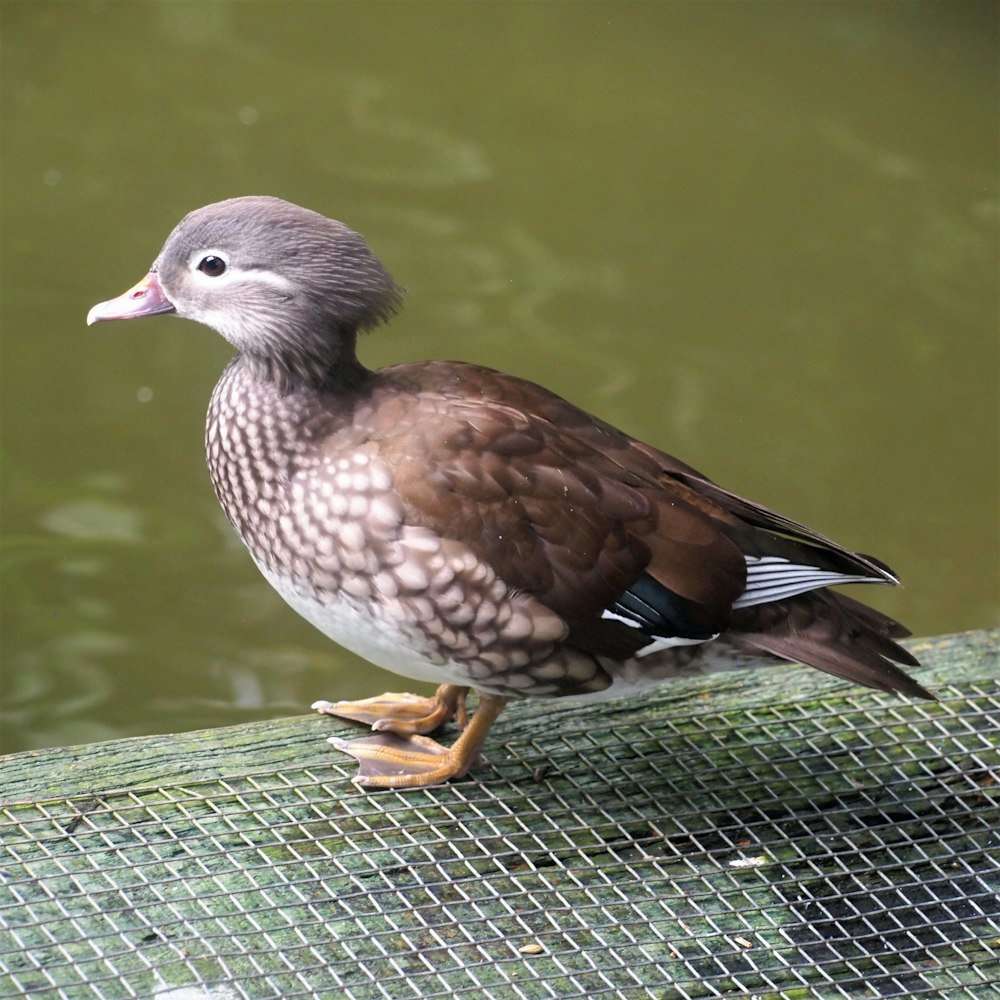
(832, 633)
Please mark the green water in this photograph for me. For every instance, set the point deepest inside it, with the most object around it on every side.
(763, 237)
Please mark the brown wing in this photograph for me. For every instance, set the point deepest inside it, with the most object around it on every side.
(568, 509)
(559, 504)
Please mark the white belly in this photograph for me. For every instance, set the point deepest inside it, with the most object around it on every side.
(363, 630)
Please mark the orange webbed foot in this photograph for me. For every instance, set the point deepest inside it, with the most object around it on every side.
(399, 755)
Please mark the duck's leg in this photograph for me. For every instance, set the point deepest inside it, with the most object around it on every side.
(401, 713)
(388, 760)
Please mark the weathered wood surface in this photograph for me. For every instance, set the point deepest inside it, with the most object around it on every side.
(299, 741)
(769, 832)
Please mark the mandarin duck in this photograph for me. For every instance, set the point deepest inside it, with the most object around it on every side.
(457, 525)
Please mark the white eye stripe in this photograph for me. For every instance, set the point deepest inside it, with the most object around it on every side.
(234, 273)
(264, 278)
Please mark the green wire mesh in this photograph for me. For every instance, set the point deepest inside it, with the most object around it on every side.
(801, 850)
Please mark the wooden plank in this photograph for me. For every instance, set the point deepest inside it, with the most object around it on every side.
(60, 772)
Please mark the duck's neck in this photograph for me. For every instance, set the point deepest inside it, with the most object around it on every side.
(335, 368)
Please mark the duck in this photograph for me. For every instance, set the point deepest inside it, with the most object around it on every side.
(469, 528)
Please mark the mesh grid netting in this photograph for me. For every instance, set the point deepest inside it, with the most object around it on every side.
(842, 850)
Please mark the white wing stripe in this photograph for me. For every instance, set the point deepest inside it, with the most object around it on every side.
(631, 622)
(658, 642)
(771, 578)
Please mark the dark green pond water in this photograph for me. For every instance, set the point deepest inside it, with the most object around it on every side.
(763, 237)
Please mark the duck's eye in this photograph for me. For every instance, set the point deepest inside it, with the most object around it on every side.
(212, 266)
